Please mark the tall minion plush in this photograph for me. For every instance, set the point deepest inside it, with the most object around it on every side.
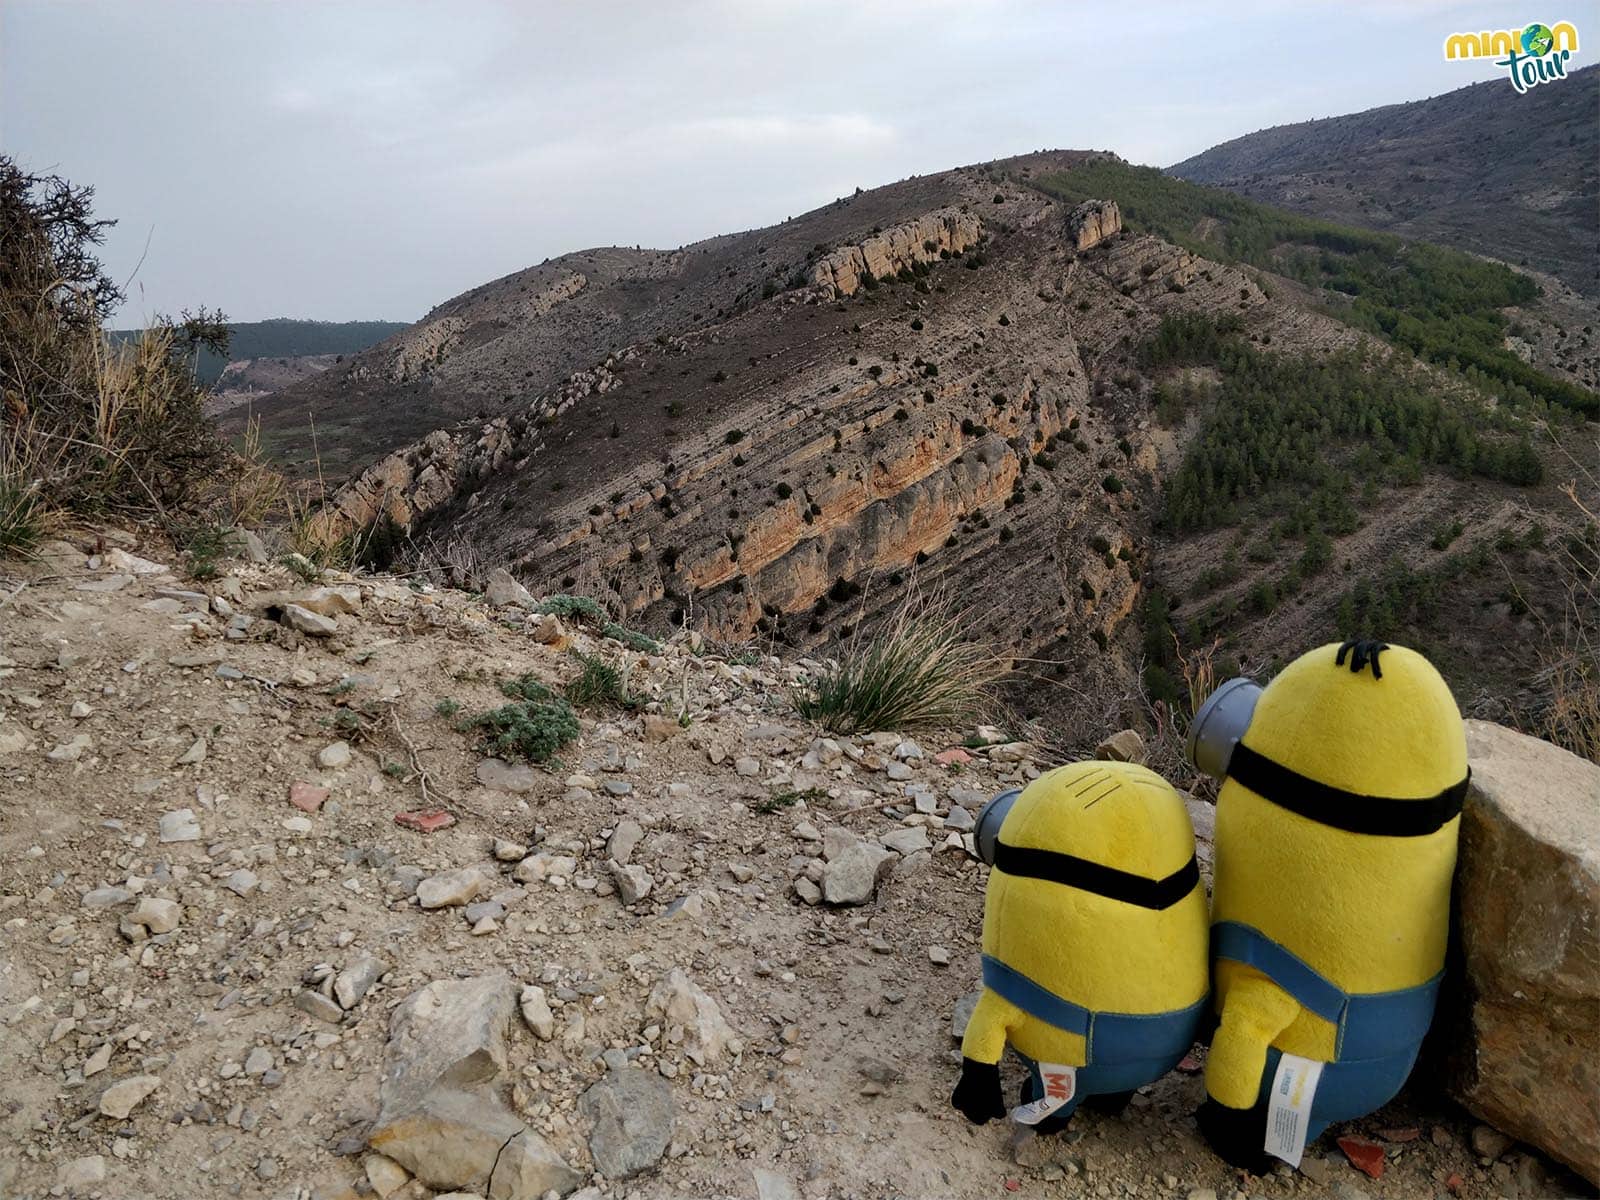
(1335, 847)
(1094, 942)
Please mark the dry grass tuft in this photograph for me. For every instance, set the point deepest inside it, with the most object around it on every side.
(920, 669)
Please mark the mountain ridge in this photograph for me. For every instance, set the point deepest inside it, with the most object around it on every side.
(1418, 168)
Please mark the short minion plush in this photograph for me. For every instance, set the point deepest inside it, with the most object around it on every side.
(1094, 942)
(1335, 847)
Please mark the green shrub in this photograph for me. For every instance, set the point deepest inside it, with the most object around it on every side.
(572, 608)
(532, 728)
(788, 798)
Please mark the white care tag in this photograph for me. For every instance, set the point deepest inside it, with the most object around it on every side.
(1060, 1085)
(1289, 1106)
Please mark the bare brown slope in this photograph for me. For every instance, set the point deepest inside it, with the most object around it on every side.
(1481, 168)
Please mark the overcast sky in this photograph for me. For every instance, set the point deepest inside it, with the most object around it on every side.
(368, 160)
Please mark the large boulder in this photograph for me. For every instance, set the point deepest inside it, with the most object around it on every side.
(1529, 895)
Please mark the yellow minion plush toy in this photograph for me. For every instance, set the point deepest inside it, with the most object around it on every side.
(1335, 847)
(1094, 942)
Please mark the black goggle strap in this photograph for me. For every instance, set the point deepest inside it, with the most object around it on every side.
(1052, 867)
(1381, 816)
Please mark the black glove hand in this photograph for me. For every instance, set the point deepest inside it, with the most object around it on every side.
(1237, 1135)
(977, 1096)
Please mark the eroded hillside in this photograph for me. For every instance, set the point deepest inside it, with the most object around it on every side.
(955, 393)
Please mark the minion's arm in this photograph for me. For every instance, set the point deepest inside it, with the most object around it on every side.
(989, 1028)
(977, 1093)
(1256, 1011)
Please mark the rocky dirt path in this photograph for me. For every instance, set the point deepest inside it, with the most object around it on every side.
(737, 948)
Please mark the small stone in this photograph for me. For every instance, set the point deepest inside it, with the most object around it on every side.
(483, 910)
(180, 825)
(334, 757)
(618, 787)
(505, 851)
(536, 1012)
(898, 771)
(319, 1006)
(156, 915)
(955, 756)
(770, 1185)
(530, 1167)
(962, 1014)
(624, 841)
(633, 882)
(352, 984)
(71, 751)
(1123, 746)
(384, 1174)
(747, 766)
(267, 1169)
(258, 1062)
(809, 892)
(307, 797)
(853, 876)
(538, 867)
(681, 1004)
(502, 589)
(80, 710)
(907, 840)
(118, 559)
(307, 622)
(939, 956)
(106, 897)
(242, 883)
(80, 1173)
(425, 820)
(658, 728)
(959, 819)
(1489, 1142)
(196, 753)
(502, 776)
(632, 1115)
(1316, 1169)
(122, 1097)
(98, 1061)
(449, 888)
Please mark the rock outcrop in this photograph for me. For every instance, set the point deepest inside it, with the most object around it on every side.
(1092, 222)
(1529, 896)
(900, 248)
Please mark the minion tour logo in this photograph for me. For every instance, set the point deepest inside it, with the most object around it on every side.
(1531, 55)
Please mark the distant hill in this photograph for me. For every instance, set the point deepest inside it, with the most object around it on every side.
(1481, 168)
(286, 337)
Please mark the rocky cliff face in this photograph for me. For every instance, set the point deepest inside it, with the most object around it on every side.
(948, 402)
(901, 249)
(1092, 222)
